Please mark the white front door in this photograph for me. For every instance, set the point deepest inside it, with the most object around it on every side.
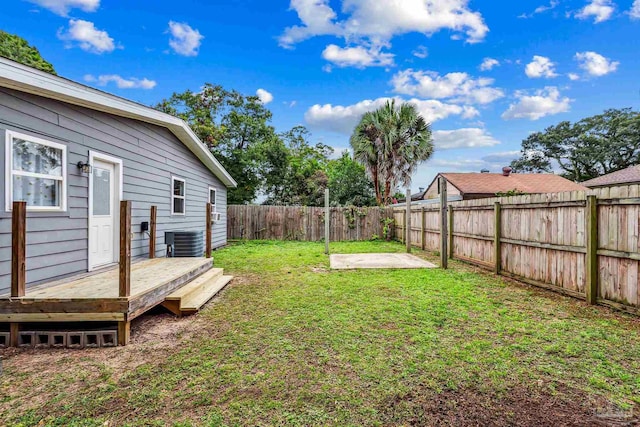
(103, 201)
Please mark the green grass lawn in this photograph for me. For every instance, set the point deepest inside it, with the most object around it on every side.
(292, 343)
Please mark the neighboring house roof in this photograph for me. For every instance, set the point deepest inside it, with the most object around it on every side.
(629, 175)
(415, 196)
(26, 79)
(492, 183)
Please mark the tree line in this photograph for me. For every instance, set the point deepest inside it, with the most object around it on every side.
(282, 168)
(586, 149)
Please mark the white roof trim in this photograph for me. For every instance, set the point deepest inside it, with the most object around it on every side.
(26, 79)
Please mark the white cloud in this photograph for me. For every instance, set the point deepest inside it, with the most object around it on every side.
(62, 7)
(265, 97)
(600, 10)
(488, 64)
(463, 138)
(184, 39)
(358, 56)
(342, 119)
(378, 22)
(634, 13)
(85, 35)
(121, 83)
(595, 64)
(541, 9)
(541, 66)
(543, 102)
(422, 51)
(573, 76)
(458, 87)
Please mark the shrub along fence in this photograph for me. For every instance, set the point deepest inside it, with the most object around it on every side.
(583, 244)
(253, 222)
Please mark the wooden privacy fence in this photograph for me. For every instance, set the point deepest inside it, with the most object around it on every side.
(586, 245)
(257, 222)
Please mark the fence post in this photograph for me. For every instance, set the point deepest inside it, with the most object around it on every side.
(591, 287)
(497, 247)
(408, 222)
(423, 227)
(327, 220)
(18, 249)
(125, 249)
(152, 232)
(450, 232)
(207, 233)
(443, 223)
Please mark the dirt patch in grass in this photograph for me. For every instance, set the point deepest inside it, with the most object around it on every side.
(515, 407)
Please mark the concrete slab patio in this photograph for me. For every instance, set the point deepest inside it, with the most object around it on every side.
(377, 260)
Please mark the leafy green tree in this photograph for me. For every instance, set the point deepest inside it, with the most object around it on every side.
(18, 49)
(235, 128)
(591, 147)
(391, 142)
(348, 182)
(294, 169)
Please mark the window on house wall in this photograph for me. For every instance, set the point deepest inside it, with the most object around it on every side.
(178, 196)
(35, 173)
(212, 198)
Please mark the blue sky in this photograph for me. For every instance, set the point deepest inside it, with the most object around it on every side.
(485, 73)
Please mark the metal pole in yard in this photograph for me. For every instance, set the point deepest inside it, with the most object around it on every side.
(408, 221)
(443, 223)
(327, 221)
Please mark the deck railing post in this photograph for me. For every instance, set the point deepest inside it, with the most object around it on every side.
(125, 249)
(208, 232)
(152, 232)
(591, 287)
(408, 222)
(497, 246)
(18, 249)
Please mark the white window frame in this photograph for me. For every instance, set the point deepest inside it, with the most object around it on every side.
(9, 172)
(173, 196)
(214, 204)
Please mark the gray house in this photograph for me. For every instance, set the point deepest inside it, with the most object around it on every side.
(73, 153)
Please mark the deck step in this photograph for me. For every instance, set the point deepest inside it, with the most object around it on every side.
(195, 301)
(191, 297)
(196, 285)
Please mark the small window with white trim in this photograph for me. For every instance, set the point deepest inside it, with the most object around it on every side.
(212, 198)
(178, 195)
(36, 172)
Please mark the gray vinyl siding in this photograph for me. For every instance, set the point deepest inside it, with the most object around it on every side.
(57, 243)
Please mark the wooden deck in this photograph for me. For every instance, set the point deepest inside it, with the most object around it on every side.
(94, 297)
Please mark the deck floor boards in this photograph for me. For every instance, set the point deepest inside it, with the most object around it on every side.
(145, 276)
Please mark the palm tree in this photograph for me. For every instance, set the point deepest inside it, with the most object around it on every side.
(391, 142)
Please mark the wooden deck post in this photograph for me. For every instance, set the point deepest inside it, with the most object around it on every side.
(124, 332)
(14, 331)
(408, 221)
(18, 249)
(443, 224)
(423, 227)
(497, 247)
(591, 287)
(125, 249)
(152, 232)
(207, 244)
(327, 220)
